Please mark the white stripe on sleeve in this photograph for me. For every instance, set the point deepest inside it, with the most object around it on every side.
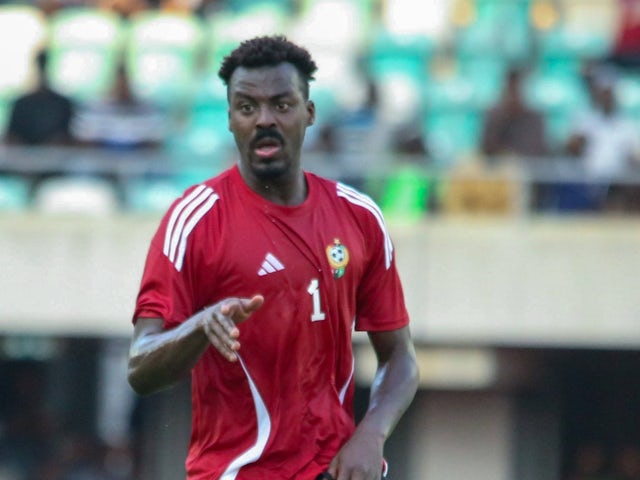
(362, 200)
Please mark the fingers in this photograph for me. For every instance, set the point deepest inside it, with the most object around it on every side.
(241, 308)
(222, 334)
(220, 323)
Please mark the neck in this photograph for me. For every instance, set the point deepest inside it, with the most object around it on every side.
(287, 190)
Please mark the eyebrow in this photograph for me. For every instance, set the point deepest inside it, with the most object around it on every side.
(277, 96)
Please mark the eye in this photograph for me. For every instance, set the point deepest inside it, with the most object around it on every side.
(282, 106)
(246, 108)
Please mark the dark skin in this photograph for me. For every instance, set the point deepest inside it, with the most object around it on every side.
(273, 100)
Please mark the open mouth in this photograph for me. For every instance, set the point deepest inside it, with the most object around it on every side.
(267, 147)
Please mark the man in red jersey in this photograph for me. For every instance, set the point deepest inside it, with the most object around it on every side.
(286, 265)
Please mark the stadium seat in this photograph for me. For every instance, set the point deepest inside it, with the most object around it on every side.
(14, 193)
(75, 195)
(406, 195)
(398, 64)
(85, 48)
(560, 96)
(407, 54)
(227, 28)
(151, 195)
(474, 188)
(350, 24)
(627, 90)
(432, 20)
(555, 91)
(451, 135)
(205, 133)
(23, 32)
(584, 31)
(5, 112)
(164, 51)
(242, 6)
(452, 93)
(490, 22)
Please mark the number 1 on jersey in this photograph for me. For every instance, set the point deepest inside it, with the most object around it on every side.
(314, 291)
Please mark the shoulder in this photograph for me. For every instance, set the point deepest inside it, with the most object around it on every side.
(187, 219)
(199, 199)
(366, 214)
(196, 203)
(360, 203)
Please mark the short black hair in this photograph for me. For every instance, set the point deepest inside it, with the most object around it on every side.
(269, 51)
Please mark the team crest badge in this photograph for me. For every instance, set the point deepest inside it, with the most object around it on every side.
(338, 257)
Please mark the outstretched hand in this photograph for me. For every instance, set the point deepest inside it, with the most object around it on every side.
(220, 323)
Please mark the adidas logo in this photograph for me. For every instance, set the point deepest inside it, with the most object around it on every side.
(269, 265)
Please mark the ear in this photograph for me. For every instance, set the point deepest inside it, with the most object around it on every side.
(229, 119)
(311, 113)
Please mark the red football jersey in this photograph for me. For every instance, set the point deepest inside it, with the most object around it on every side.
(324, 268)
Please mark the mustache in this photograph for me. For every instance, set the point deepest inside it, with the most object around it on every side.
(267, 133)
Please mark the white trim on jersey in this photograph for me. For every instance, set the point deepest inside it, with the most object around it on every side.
(183, 220)
(264, 430)
(345, 387)
(362, 200)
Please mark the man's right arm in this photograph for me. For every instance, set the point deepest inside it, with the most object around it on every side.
(159, 358)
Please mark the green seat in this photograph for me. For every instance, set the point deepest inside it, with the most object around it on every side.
(451, 135)
(151, 195)
(558, 126)
(407, 54)
(486, 73)
(555, 91)
(227, 28)
(5, 112)
(405, 196)
(493, 22)
(84, 50)
(163, 56)
(14, 193)
(570, 42)
(455, 93)
(240, 6)
(627, 91)
(205, 133)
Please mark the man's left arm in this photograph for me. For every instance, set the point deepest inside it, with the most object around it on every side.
(392, 390)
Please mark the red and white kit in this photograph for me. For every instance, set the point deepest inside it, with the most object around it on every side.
(324, 268)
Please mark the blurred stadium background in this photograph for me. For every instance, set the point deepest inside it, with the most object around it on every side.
(526, 318)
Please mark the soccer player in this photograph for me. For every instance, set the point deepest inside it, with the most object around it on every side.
(253, 285)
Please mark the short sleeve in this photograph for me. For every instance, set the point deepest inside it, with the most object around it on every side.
(163, 291)
(380, 297)
(167, 287)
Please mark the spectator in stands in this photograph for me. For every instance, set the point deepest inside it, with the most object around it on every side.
(607, 144)
(626, 48)
(42, 116)
(353, 135)
(409, 141)
(511, 128)
(122, 121)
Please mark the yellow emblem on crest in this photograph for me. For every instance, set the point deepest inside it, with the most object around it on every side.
(338, 257)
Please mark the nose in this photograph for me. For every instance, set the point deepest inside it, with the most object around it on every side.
(266, 118)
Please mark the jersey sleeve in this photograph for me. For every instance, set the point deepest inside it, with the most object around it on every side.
(380, 297)
(163, 291)
(167, 289)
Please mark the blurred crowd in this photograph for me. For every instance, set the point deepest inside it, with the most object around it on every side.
(595, 461)
(438, 113)
(40, 441)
